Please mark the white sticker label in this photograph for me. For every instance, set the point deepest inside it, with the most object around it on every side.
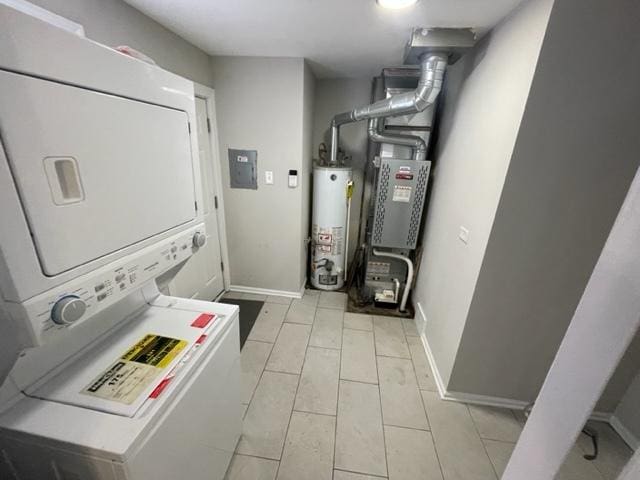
(401, 194)
(128, 377)
(243, 159)
(123, 382)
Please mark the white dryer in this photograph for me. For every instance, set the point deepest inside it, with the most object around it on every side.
(102, 376)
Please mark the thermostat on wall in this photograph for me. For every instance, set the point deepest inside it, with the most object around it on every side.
(293, 178)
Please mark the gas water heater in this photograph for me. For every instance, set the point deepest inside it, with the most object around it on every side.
(332, 186)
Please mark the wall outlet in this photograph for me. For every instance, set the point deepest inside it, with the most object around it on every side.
(268, 177)
(463, 234)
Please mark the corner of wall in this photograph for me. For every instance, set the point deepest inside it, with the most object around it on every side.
(484, 101)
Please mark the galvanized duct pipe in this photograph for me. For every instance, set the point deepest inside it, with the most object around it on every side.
(418, 144)
(432, 70)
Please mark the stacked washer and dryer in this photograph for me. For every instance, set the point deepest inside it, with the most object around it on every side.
(101, 376)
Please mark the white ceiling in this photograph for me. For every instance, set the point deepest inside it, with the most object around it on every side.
(340, 38)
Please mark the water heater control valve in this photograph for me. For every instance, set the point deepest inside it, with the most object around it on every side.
(199, 239)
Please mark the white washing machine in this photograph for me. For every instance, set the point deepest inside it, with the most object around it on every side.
(102, 376)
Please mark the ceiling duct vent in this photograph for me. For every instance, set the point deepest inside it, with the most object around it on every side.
(454, 41)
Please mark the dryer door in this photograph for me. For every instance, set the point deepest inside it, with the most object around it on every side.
(95, 172)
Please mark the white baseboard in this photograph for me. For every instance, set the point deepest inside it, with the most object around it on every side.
(485, 400)
(420, 319)
(626, 435)
(459, 396)
(629, 438)
(266, 291)
(601, 416)
(434, 369)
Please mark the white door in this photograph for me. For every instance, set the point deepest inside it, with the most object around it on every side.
(201, 277)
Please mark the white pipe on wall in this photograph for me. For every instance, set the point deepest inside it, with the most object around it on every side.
(407, 286)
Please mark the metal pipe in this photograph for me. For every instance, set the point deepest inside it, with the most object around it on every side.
(397, 289)
(407, 286)
(335, 134)
(418, 144)
(432, 70)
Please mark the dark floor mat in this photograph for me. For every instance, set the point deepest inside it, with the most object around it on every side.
(249, 310)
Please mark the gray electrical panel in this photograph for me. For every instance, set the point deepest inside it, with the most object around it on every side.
(400, 197)
(243, 168)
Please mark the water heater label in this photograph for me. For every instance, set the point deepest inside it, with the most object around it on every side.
(328, 240)
(401, 193)
(327, 279)
(324, 238)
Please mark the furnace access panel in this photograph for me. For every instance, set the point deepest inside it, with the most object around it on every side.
(400, 196)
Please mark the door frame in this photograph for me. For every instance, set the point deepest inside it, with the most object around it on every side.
(208, 95)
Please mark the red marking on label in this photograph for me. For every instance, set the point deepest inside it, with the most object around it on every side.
(160, 388)
(203, 320)
(201, 340)
(404, 176)
(324, 238)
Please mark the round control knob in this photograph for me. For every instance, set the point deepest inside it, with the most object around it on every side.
(67, 310)
(199, 239)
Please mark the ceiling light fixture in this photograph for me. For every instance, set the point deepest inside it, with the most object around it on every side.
(396, 4)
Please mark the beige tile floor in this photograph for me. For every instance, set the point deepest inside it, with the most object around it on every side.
(331, 395)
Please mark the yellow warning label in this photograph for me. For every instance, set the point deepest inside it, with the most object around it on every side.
(349, 189)
(155, 350)
(127, 378)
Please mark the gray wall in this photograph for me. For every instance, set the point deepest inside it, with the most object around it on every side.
(114, 23)
(263, 104)
(483, 103)
(335, 96)
(575, 156)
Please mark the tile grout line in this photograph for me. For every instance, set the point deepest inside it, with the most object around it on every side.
(274, 345)
(295, 395)
(426, 412)
(360, 474)
(259, 341)
(313, 413)
(384, 433)
(484, 447)
(264, 369)
(424, 406)
(255, 456)
(253, 392)
(335, 433)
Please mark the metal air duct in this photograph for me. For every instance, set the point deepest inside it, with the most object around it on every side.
(432, 68)
(418, 144)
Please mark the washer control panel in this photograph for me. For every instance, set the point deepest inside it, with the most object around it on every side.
(53, 312)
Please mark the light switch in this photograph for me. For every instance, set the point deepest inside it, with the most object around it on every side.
(463, 234)
(268, 177)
